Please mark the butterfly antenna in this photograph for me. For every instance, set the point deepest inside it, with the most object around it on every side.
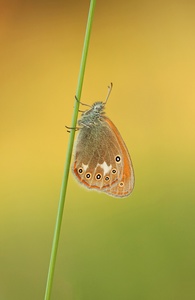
(81, 102)
(109, 91)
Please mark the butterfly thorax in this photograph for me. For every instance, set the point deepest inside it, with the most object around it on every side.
(93, 115)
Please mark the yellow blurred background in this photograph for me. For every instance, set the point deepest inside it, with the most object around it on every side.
(140, 247)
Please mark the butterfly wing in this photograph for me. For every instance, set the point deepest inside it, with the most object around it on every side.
(94, 165)
(126, 183)
(102, 161)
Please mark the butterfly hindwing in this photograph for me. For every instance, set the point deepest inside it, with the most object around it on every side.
(95, 165)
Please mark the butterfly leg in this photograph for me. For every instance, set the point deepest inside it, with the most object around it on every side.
(83, 124)
(81, 102)
(72, 128)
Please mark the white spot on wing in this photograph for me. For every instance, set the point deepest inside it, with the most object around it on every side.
(84, 167)
(105, 167)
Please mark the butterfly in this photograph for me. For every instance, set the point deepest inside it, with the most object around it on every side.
(101, 159)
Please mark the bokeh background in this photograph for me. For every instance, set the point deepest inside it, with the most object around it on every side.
(141, 247)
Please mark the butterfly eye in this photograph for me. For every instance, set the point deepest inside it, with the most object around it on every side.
(118, 158)
(121, 184)
(107, 178)
(98, 176)
(114, 171)
(80, 170)
(88, 175)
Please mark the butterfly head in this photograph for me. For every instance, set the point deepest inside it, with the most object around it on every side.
(98, 107)
(91, 116)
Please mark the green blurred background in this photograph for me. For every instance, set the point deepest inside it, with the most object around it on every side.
(141, 247)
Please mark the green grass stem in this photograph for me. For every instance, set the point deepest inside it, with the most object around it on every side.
(56, 236)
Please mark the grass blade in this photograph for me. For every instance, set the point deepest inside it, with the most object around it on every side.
(56, 236)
